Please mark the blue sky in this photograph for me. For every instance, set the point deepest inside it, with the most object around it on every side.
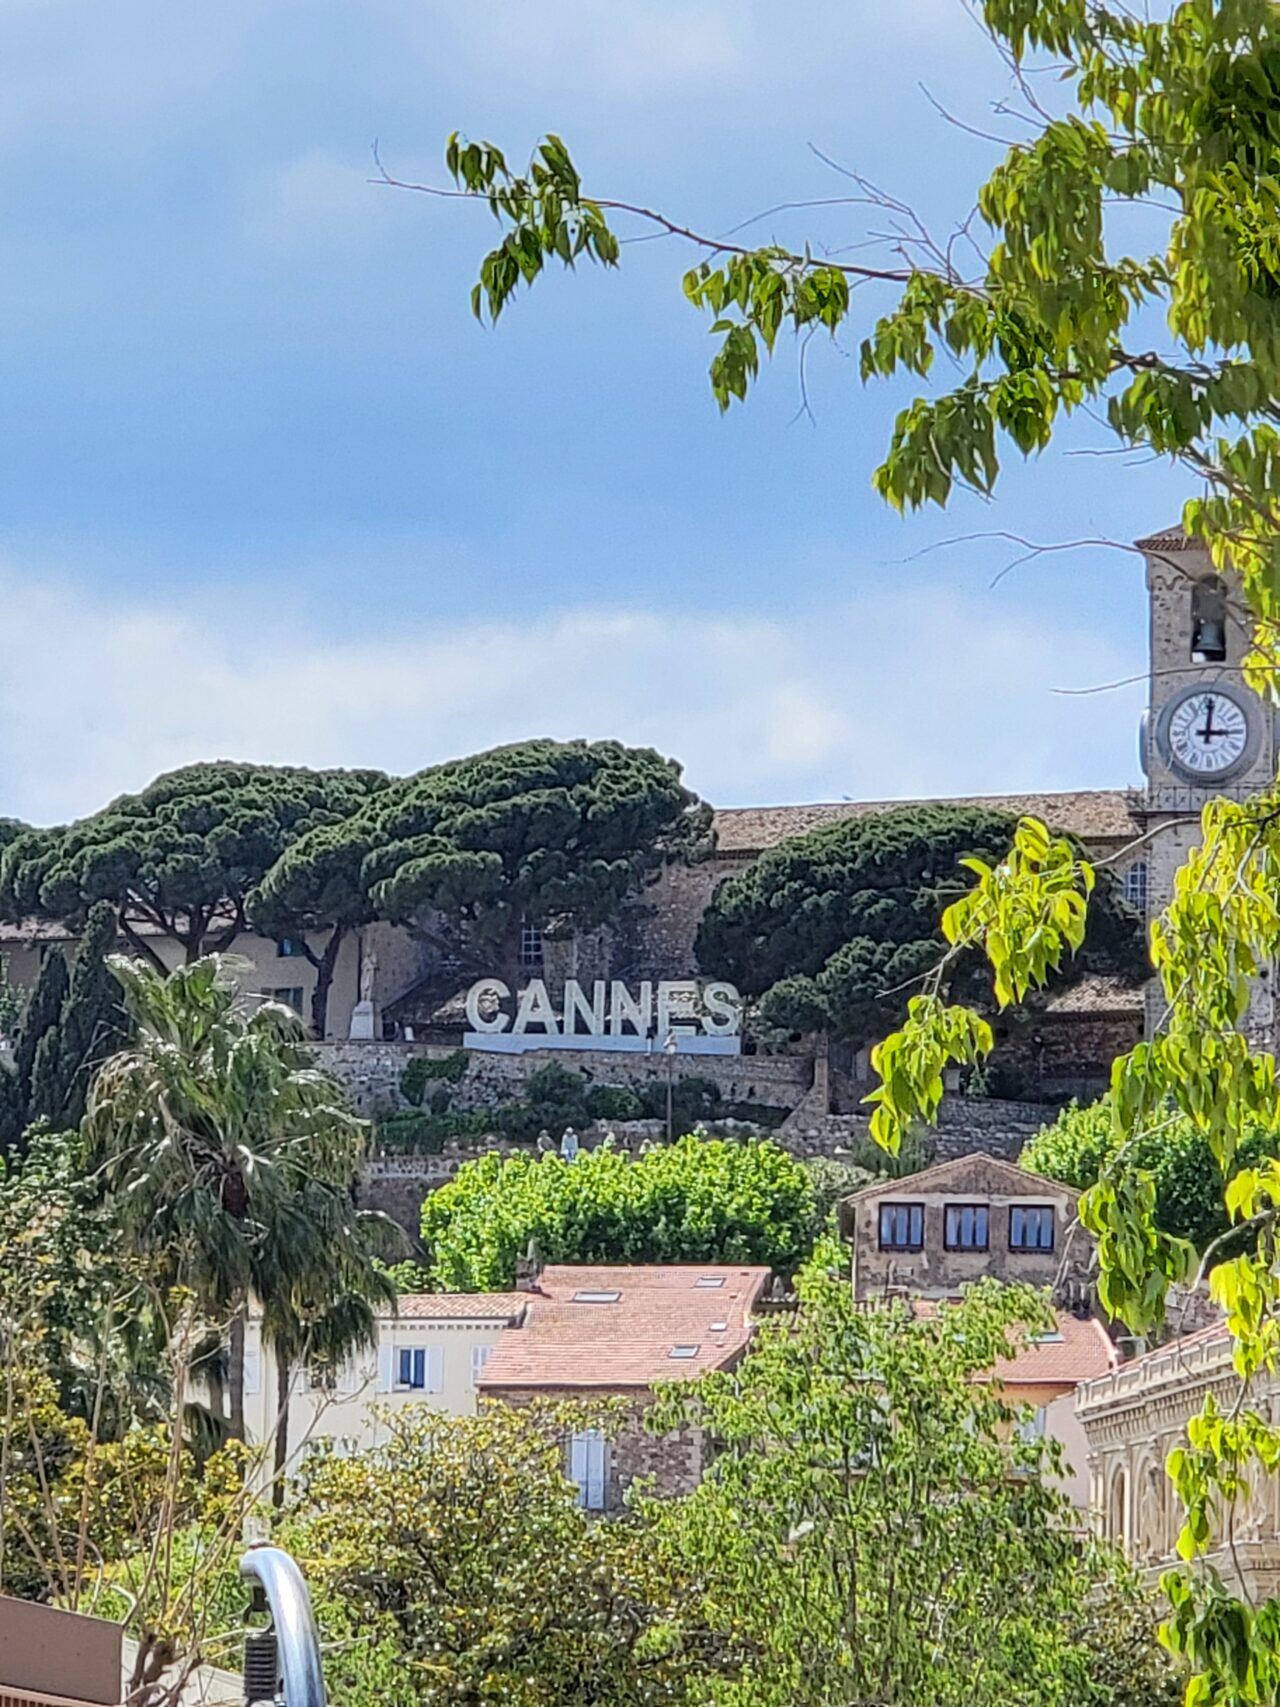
(268, 491)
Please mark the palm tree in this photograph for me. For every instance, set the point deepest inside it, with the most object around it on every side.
(229, 1154)
(320, 1287)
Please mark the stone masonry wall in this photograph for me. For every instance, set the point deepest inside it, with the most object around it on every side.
(674, 1461)
(371, 1073)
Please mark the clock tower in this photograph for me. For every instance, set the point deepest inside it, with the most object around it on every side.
(1204, 733)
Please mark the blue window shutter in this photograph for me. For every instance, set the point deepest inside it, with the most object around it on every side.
(420, 1368)
(595, 1472)
(406, 1368)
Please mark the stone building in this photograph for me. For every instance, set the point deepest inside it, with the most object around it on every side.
(1135, 1415)
(935, 1232)
(614, 1332)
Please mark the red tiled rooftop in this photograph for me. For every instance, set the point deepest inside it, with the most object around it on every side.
(1083, 1352)
(626, 1342)
(463, 1306)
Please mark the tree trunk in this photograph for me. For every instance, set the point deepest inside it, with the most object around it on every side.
(324, 965)
(141, 947)
(235, 1374)
(284, 1380)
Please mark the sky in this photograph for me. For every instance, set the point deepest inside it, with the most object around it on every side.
(268, 491)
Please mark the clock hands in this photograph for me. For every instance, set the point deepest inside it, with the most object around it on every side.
(1209, 733)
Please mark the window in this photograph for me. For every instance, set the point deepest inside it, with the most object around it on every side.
(530, 947)
(479, 1357)
(596, 1297)
(289, 949)
(707, 1281)
(589, 1468)
(1209, 621)
(1135, 885)
(684, 1351)
(1030, 1227)
(322, 1378)
(290, 995)
(901, 1226)
(1051, 1338)
(966, 1227)
(719, 1327)
(420, 1369)
(1033, 1427)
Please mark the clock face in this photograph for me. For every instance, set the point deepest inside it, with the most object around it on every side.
(1208, 733)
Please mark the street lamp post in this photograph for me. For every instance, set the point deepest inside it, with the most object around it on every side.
(669, 1048)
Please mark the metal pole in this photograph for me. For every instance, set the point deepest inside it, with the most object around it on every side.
(295, 1627)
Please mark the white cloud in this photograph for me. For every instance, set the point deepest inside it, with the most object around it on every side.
(900, 694)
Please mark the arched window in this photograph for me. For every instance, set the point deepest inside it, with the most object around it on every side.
(1135, 885)
(1118, 1510)
(1209, 621)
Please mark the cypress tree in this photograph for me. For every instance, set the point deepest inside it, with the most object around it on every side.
(43, 1014)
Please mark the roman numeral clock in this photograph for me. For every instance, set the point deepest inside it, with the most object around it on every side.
(1207, 734)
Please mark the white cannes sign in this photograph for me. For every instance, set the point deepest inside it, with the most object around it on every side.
(704, 1019)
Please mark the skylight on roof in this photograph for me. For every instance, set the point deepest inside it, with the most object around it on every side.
(596, 1297)
(684, 1351)
(707, 1281)
(719, 1327)
(1054, 1338)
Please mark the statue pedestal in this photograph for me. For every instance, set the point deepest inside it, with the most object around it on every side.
(364, 1023)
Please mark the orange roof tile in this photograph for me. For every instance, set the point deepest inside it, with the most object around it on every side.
(627, 1341)
(463, 1306)
(1082, 1353)
(1092, 814)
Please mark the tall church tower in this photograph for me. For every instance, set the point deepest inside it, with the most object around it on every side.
(1204, 733)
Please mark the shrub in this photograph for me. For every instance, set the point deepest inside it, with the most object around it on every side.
(553, 1099)
(698, 1200)
(1188, 1182)
(423, 1071)
(418, 1132)
(694, 1101)
(614, 1102)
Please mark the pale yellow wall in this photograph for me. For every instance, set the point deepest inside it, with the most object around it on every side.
(266, 969)
(349, 1413)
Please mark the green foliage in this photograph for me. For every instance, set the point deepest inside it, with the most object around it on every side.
(693, 1201)
(554, 1098)
(877, 1531)
(557, 833)
(425, 1070)
(457, 1553)
(614, 1102)
(232, 1161)
(1082, 1144)
(182, 856)
(831, 931)
(426, 1132)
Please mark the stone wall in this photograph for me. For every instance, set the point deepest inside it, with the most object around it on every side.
(371, 1073)
(674, 1461)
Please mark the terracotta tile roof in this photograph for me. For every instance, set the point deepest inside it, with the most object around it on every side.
(626, 1342)
(463, 1306)
(1168, 539)
(1101, 814)
(1082, 1354)
(1095, 993)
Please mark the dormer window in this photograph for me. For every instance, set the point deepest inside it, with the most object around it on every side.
(1209, 621)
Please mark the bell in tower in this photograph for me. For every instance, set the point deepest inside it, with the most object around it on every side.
(1208, 621)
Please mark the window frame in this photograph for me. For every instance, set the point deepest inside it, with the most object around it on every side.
(1024, 1249)
(593, 1479)
(983, 1209)
(912, 1209)
(428, 1358)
